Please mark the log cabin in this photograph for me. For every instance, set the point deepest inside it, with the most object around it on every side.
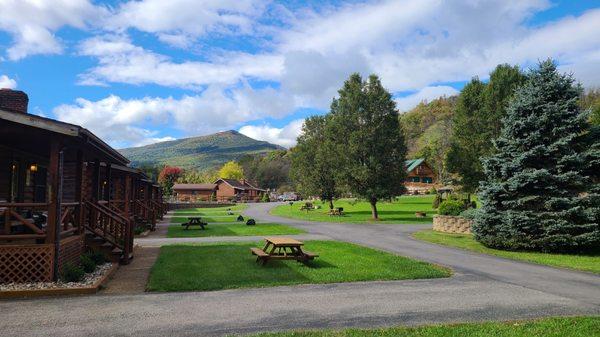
(194, 192)
(420, 176)
(64, 191)
(237, 190)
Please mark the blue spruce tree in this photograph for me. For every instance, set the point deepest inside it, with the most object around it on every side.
(541, 186)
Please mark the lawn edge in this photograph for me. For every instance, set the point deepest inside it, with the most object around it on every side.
(412, 235)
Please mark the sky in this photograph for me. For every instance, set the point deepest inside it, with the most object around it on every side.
(139, 72)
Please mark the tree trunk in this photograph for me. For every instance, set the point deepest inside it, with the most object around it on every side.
(374, 209)
(330, 204)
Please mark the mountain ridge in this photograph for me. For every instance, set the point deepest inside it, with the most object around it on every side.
(201, 152)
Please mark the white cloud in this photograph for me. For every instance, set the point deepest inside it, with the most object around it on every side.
(285, 136)
(132, 122)
(121, 61)
(426, 94)
(179, 22)
(7, 82)
(32, 23)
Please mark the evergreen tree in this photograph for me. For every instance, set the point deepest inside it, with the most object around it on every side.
(370, 149)
(313, 162)
(539, 192)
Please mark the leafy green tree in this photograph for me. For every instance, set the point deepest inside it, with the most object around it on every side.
(538, 192)
(478, 121)
(313, 166)
(231, 170)
(591, 101)
(369, 145)
(270, 170)
(468, 143)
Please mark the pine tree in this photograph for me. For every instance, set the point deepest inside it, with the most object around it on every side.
(539, 192)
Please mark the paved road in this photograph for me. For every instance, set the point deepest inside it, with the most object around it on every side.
(483, 288)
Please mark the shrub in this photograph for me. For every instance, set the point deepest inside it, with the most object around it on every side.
(97, 257)
(87, 264)
(469, 213)
(265, 197)
(240, 218)
(72, 273)
(250, 222)
(432, 191)
(451, 207)
(138, 230)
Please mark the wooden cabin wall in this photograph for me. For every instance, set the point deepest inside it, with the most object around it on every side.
(5, 175)
(69, 181)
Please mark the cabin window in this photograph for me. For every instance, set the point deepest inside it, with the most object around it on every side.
(414, 179)
(40, 176)
(427, 180)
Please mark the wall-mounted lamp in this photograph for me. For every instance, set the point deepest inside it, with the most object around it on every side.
(33, 168)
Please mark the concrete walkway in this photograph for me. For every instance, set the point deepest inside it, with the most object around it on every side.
(483, 288)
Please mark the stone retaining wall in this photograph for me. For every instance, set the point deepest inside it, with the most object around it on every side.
(452, 224)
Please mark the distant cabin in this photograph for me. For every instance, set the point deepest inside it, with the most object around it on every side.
(241, 190)
(194, 192)
(420, 176)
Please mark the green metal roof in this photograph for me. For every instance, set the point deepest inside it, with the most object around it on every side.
(411, 164)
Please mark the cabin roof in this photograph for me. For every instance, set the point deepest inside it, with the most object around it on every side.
(239, 184)
(63, 128)
(195, 187)
(412, 164)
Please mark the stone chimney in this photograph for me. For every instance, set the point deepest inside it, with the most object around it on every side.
(13, 100)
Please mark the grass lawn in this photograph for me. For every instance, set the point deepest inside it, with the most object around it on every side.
(236, 229)
(589, 263)
(548, 327)
(209, 214)
(230, 265)
(401, 211)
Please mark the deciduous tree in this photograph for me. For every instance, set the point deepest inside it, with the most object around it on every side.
(231, 170)
(369, 145)
(313, 163)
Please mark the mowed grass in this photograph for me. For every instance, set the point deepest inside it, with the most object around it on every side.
(231, 265)
(400, 211)
(589, 263)
(235, 229)
(548, 327)
(209, 214)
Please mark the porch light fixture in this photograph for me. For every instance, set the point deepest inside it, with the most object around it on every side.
(33, 168)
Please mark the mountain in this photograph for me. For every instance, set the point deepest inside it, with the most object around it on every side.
(198, 152)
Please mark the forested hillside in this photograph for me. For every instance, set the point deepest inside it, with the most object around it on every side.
(198, 153)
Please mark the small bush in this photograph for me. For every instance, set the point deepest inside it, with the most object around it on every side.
(469, 213)
(138, 230)
(432, 191)
(72, 273)
(265, 197)
(240, 218)
(250, 222)
(451, 207)
(97, 257)
(87, 264)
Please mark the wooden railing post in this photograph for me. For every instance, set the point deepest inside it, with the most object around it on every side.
(55, 199)
(79, 186)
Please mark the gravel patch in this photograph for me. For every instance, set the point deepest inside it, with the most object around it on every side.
(88, 280)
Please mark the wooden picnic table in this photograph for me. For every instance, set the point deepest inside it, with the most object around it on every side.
(280, 248)
(194, 221)
(337, 211)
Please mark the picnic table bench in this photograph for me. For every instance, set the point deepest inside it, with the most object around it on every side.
(337, 211)
(282, 249)
(307, 207)
(194, 221)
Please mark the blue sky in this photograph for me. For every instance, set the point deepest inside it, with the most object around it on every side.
(137, 72)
